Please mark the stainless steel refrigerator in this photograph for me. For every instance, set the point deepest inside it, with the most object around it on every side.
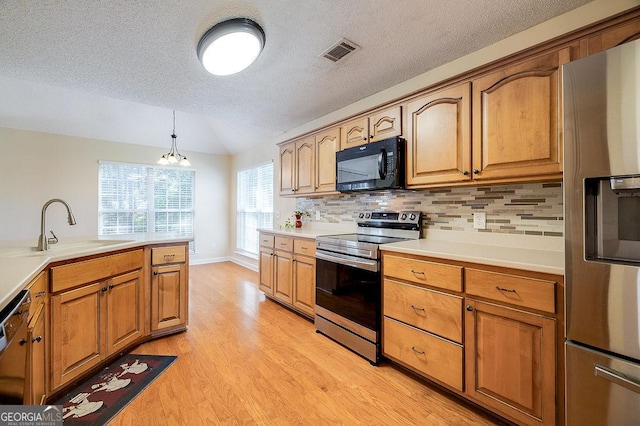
(601, 102)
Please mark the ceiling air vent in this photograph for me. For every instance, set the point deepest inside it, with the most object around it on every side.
(339, 50)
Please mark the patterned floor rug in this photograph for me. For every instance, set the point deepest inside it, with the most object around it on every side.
(100, 398)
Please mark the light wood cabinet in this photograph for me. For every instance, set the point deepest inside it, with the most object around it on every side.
(439, 137)
(169, 289)
(510, 362)
(327, 143)
(124, 311)
(36, 392)
(517, 120)
(288, 271)
(287, 168)
(495, 334)
(297, 167)
(379, 125)
(610, 37)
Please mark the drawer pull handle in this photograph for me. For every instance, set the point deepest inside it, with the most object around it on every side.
(415, 308)
(418, 273)
(40, 294)
(36, 339)
(505, 290)
(413, 348)
(303, 248)
(169, 256)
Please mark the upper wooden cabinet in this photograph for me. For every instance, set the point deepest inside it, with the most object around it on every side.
(611, 37)
(377, 126)
(517, 119)
(308, 165)
(439, 137)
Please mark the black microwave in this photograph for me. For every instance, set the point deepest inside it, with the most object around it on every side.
(373, 166)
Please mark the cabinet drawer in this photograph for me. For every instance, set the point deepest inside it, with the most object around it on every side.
(306, 247)
(38, 289)
(436, 312)
(284, 243)
(165, 255)
(422, 272)
(424, 352)
(87, 271)
(522, 291)
(266, 240)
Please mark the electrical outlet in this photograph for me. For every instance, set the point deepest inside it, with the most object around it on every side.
(317, 214)
(480, 220)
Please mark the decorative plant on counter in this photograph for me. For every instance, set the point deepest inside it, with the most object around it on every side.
(289, 224)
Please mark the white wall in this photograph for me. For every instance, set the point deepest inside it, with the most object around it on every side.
(40, 166)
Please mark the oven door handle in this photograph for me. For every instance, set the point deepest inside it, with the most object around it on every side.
(367, 264)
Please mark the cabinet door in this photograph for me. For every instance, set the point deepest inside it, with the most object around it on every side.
(305, 162)
(287, 169)
(169, 297)
(266, 271)
(385, 124)
(37, 373)
(124, 315)
(611, 37)
(283, 286)
(510, 362)
(354, 133)
(304, 279)
(77, 342)
(516, 120)
(327, 143)
(439, 137)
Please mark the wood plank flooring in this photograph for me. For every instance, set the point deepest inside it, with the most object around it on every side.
(247, 360)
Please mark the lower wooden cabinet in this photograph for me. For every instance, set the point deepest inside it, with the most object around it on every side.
(92, 322)
(304, 279)
(283, 274)
(169, 298)
(510, 361)
(37, 359)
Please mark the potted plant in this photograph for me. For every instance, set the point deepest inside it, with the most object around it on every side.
(298, 214)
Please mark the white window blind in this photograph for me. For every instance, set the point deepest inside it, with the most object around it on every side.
(136, 198)
(255, 205)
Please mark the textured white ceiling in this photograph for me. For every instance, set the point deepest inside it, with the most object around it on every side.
(115, 69)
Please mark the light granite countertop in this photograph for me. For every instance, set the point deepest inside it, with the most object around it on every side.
(20, 262)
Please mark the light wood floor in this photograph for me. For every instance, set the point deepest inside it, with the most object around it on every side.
(247, 360)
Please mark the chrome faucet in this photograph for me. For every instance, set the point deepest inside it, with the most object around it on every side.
(43, 241)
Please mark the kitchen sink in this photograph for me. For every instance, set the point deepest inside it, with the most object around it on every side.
(64, 247)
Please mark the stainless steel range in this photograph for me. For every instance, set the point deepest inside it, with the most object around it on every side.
(348, 279)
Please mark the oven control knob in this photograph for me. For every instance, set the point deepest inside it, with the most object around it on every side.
(412, 216)
(361, 215)
(367, 215)
(403, 216)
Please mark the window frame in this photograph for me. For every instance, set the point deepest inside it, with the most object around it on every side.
(267, 216)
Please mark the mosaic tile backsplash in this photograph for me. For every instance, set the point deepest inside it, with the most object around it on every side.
(527, 209)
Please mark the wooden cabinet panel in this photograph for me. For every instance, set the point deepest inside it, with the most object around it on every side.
(169, 297)
(266, 268)
(77, 344)
(266, 240)
(436, 312)
(611, 37)
(38, 288)
(510, 362)
(124, 311)
(439, 137)
(283, 285)
(354, 133)
(422, 272)
(304, 292)
(284, 243)
(327, 143)
(287, 169)
(305, 166)
(304, 247)
(169, 254)
(78, 273)
(385, 124)
(517, 290)
(517, 119)
(36, 391)
(430, 355)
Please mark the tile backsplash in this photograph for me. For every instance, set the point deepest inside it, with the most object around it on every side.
(526, 209)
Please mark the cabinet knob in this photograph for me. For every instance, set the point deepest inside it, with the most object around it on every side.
(370, 136)
(103, 289)
(469, 308)
(23, 342)
(111, 286)
(155, 272)
(37, 339)
(476, 171)
(465, 172)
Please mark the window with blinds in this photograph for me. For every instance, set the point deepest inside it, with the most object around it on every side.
(135, 198)
(255, 206)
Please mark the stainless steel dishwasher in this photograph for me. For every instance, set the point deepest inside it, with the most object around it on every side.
(13, 349)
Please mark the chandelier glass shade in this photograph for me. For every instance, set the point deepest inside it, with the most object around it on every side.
(231, 46)
(173, 156)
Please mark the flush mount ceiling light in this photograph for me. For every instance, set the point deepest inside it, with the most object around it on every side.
(174, 156)
(231, 46)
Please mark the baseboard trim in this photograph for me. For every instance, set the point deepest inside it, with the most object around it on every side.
(235, 260)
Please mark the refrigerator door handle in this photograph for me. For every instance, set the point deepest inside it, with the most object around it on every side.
(617, 378)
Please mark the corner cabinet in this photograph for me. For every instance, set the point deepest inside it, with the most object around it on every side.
(37, 341)
(287, 271)
(169, 289)
(492, 335)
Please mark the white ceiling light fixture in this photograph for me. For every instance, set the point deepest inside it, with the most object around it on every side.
(231, 46)
(173, 156)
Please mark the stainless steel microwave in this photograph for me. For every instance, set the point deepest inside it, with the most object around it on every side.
(373, 166)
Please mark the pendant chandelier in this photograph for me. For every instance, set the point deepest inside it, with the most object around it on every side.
(173, 156)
